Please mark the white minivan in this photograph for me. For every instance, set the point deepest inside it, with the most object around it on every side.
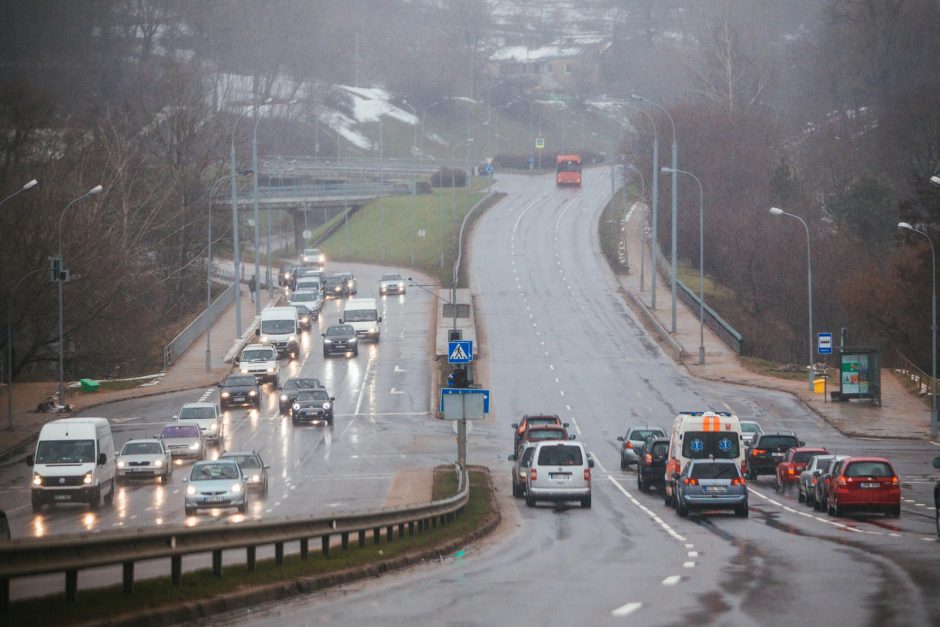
(364, 317)
(280, 327)
(74, 462)
(559, 471)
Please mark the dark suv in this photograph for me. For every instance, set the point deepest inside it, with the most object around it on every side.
(335, 286)
(767, 450)
(340, 338)
(651, 463)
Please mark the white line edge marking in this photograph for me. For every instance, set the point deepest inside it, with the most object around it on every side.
(627, 609)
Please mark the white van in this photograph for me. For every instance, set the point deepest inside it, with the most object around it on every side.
(702, 435)
(364, 317)
(279, 327)
(559, 471)
(74, 462)
(308, 284)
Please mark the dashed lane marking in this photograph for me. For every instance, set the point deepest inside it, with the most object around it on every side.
(672, 580)
(688, 565)
(626, 610)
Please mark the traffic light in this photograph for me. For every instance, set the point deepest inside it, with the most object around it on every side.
(453, 335)
(459, 378)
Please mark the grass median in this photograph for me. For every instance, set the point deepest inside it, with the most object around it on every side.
(152, 595)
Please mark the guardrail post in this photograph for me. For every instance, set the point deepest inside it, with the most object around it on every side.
(345, 537)
(362, 538)
(71, 584)
(176, 569)
(325, 546)
(217, 563)
(304, 548)
(250, 557)
(128, 577)
(279, 553)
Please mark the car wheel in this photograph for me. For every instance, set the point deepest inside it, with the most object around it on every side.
(810, 500)
(109, 497)
(356, 353)
(666, 500)
(831, 508)
(516, 492)
(936, 518)
(586, 502)
(165, 479)
(243, 508)
(623, 464)
(326, 354)
(529, 500)
(681, 509)
(293, 420)
(95, 501)
(895, 512)
(741, 512)
(751, 474)
(264, 489)
(37, 507)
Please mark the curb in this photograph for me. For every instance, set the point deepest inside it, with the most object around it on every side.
(256, 595)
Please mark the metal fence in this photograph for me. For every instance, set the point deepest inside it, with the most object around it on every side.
(70, 554)
(197, 327)
(918, 380)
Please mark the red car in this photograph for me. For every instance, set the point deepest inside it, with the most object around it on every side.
(536, 419)
(540, 433)
(788, 471)
(866, 483)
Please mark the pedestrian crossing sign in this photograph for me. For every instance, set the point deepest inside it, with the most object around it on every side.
(460, 352)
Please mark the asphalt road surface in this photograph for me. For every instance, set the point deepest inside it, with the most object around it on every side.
(560, 340)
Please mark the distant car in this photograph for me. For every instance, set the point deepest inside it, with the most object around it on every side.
(312, 406)
(285, 276)
(340, 338)
(632, 440)
(766, 451)
(709, 484)
(311, 302)
(533, 419)
(215, 484)
(207, 417)
(144, 459)
(261, 361)
(749, 429)
(291, 388)
(252, 466)
(541, 433)
(239, 389)
(313, 257)
(520, 469)
(865, 483)
(560, 471)
(821, 495)
(789, 470)
(183, 440)
(351, 284)
(335, 286)
(809, 477)
(651, 464)
(391, 283)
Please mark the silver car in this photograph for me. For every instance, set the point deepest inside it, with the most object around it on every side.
(183, 440)
(749, 430)
(144, 459)
(708, 484)
(809, 477)
(520, 469)
(634, 439)
(206, 416)
(216, 484)
(391, 283)
(560, 471)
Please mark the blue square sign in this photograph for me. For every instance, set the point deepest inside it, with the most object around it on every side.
(460, 352)
(824, 343)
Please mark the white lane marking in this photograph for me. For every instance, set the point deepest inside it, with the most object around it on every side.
(597, 463)
(672, 580)
(626, 610)
(690, 546)
(398, 369)
(557, 380)
(820, 519)
(396, 391)
(551, 367)
(672, 532)
(568, 407)
(688, 565)
(693, 554)
(576, 427)
(562, 392)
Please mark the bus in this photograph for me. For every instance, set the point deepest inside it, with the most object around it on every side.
(568, 170)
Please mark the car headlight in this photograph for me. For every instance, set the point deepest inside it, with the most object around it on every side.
(190, 490)
(270, 370)
(252, 393)
(327, 341)
(264, 339)
(296, 406)
(326, 405)
(255, 478)
(305, 319)
(37, 480)
(284, 397)
(225, 394)
(213, 427)
(194, 446)
(87, 478)
(353, 340)
(236, 488)
(373, 330)
(158, 463)
(244, 370)
(121, 463)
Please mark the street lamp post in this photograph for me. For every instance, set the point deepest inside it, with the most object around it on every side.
(31, 184)
(654, 242)
(701, 268)
(10, 341)
(675, 184)
(61, 280)
(933, 324)
(809, 285)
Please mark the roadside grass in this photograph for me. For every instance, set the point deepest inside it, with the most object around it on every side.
(101, 603)
(610, 232)
(782, 371)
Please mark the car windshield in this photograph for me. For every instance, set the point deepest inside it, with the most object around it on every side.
(804, 457)
(868, 469)
(642, 434)
(142, 448)
(542, 420)
(300, 384)
(360, 315)
(65, 452)
(313, 395)
(778, 440)
(334, 280)
(245, 461)
(239, 381)
(278, 326)
(705, 444)
(258, 354)
(546, 434)
(659, 450)
(391, 277)
(714, 471)
(197, 413)
(308, 285)
(343, 329)
(750, 427)
(213, 472)
(301, 310)
(560, 456)
(180, 431)
(311, 252)
(304, 297)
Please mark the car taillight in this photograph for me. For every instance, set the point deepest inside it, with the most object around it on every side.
(533, 475)
(790, 470)
(649, 459)
(895, 480)
(737, 481)
(814, 480)
(842, 481)
(628, 444)
(587, 474)
(757, 451)
(690, 481)
(743, 467)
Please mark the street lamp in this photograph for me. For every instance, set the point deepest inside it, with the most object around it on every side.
(654, 246)
(809, 283)
(60, 279)
(701, 268)
(675, 184)
(935, 180)
(10, 340)
(33, 183)
(933, 323)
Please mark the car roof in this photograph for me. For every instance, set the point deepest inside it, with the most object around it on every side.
(545, 428)
(206, 462)
(865, 458)
(144, 440)
(257, 346)
(809, 449)
(714, 461)
(199, 405)
(228, 454)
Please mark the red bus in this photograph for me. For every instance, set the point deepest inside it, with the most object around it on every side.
(568, 170)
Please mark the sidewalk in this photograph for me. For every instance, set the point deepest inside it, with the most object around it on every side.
(188, 373)
(902, 414)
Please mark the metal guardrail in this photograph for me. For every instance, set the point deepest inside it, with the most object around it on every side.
(330, 190)
(70, 554)
(198, 326)
(918, 380)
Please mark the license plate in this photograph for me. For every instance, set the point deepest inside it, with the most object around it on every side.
(238, 398)
(215, 499)
(870, 485)
(715, 488)
(145, 469)
(560, 476)
(777, 455)
(62, 497)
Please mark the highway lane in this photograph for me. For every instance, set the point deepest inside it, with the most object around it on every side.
(558, 339)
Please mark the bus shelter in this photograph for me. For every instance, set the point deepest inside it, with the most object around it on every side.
(860, 374)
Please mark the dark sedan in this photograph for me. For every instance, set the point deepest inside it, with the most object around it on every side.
(239, 389)
(340, 338)
(292, 387)
(312, 406)
(335, 286)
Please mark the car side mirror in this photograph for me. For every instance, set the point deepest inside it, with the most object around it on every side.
(332, 398)
(218, 385)
(566, 425)
(936, 462)
(511, 458)
(176, 417)
(323, 335)
(265, 467)
(258, 331)
(620, 438)
(571, 437)
(30, 461)
(340, 320)
(102, 459)
(185, 479)
(802, 443)
(515, 425)
(590, 463)
(380, 318)
(236, 360)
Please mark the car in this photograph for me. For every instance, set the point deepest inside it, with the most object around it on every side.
(312, 406)
(286, 276)
(709, 484)
(183, 440)
(534, 419)
(239, 389)
(540, 433)
(253, 468)
(313, 257)
(340, 338)
(810, 475)
(215, 484)
(207, 417)
(766, 451)
(936, 497)
(560, 471)
(144, 459)
(311, 302)
(260, 361)
(651, 463)
(391, 283)
(303, 317)
(749, 429)
(335, 286)
(351, 284)
(864, 483)
(821, 495)
(635, 437)
(315, 274)
(291, 387)
(520, 469)
(789, 470)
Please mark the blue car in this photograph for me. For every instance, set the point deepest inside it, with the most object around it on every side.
(710, 484)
